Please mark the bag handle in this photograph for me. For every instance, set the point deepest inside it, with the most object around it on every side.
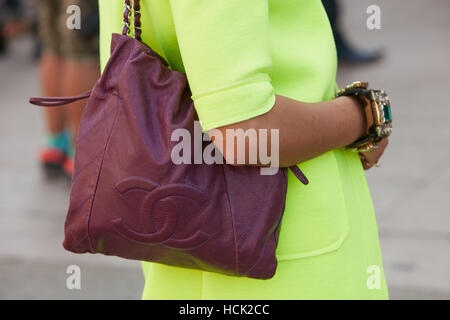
(128, 10)
(57, 101)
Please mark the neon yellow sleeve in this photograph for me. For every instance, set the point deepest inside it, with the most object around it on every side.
(225, 47)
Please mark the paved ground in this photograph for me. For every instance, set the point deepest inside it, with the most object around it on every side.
(411, 190)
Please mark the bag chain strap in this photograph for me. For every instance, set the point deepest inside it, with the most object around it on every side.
(136, 19)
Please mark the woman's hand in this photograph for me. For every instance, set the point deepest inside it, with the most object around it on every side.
(371, 158)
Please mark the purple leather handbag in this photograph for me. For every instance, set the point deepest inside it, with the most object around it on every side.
(129, 199)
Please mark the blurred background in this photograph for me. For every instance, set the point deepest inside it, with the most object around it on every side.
(411, 189)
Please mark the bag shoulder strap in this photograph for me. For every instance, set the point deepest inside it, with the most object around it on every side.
(136, 11)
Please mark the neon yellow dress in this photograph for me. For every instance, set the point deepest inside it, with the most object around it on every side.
(237, 55)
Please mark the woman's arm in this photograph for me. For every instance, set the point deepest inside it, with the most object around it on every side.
(306, 130)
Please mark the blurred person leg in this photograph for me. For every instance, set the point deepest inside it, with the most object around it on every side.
(50, 71)
(53, 152)
(69, 66)
(80, 67)
(345, 51)
(78, 77)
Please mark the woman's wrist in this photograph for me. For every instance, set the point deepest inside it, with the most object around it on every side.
(354, 118)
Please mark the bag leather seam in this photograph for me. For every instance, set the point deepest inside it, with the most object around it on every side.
(100, 171)
(232, 221)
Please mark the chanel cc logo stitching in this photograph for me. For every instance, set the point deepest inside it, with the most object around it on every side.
(156, 193)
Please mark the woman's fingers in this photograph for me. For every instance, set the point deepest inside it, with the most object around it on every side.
(372, 157)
